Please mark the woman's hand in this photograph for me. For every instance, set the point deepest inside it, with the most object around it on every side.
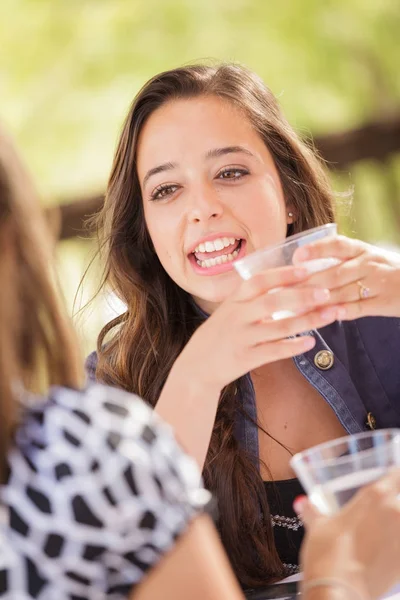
(241, 334)
(367, 281)
(360, 545)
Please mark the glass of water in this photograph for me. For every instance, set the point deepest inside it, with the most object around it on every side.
(331, 473)
(282, 254)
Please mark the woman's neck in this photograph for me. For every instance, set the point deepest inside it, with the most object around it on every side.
(206, 306)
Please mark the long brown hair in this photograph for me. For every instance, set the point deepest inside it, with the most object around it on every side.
(37, 344)
(137, 349)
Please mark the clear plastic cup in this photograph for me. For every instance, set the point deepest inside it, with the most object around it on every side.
(333, 472)
(281, 255)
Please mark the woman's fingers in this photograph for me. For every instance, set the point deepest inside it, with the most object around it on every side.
(261, 283)
(271, 341)
(278, 350)
(274, 330)
(291, 299)
(361, 291)
(340, 247)
(343, 274)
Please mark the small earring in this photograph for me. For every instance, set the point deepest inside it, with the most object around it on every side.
(290, 214)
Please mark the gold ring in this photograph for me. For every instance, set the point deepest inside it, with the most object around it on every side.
(363, 290)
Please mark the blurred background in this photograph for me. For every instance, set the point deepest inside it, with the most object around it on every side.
(69, 71)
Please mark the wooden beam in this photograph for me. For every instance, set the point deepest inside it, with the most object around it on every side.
(373, 141)
(73, 215)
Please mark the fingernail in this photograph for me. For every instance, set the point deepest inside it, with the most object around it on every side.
(321, 295)
(328, 314)
(298, 504)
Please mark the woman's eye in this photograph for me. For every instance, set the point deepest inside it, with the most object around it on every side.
(232, 173)
(163, 192)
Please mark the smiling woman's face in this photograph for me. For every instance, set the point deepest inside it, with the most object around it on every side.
(211, 194)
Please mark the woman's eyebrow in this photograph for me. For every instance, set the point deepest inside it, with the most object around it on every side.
(216, 152)
(164, 167)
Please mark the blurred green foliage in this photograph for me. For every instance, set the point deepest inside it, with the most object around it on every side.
(69, 70)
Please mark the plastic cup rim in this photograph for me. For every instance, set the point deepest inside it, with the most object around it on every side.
(292, 238)
(320, 462)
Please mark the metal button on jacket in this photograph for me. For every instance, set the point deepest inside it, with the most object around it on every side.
(324, 359)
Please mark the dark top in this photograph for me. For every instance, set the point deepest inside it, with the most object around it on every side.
(288, 528)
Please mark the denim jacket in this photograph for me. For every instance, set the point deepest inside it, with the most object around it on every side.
(354, 366)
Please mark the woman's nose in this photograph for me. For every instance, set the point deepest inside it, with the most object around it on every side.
(205, 205)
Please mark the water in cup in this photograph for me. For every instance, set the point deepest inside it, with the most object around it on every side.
(331, 496)
(331, 473)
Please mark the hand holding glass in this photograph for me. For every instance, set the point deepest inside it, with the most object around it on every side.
(281, 255)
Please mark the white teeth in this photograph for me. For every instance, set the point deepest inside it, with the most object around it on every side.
(209, 246)
(216, 245)
(218, 260)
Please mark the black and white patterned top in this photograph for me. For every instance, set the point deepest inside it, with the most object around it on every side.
(98, 491)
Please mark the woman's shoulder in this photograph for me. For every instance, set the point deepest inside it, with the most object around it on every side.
(98, 421)
(101, 469)
(95, 437)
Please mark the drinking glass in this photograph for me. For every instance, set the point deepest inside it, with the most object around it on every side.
(281, 254)
(331, 473)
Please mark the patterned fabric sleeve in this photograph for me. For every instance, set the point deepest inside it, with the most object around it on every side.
(98, 492)
(160, 494)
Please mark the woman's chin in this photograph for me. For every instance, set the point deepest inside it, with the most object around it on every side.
(211, 296)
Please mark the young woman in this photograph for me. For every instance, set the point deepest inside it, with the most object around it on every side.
(206, 171)
(94, 490)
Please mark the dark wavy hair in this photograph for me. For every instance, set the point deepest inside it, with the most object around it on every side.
(137, 349)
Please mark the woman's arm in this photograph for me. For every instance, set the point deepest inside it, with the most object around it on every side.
(196, 569)
(189, 405)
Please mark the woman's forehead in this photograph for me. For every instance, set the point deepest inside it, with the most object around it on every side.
(195, 125)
